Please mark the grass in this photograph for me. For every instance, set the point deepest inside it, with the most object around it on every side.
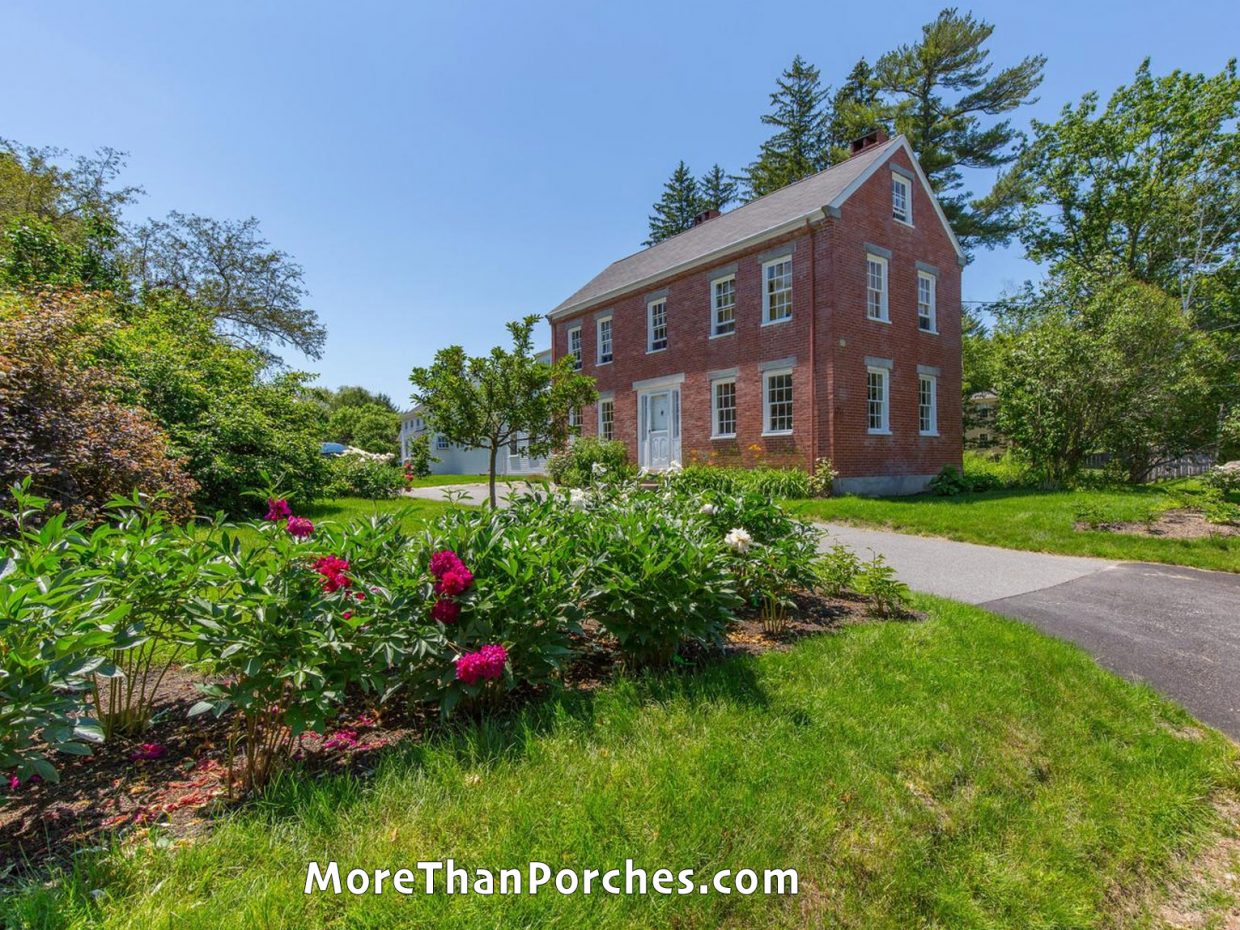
(964, 771)
(1040, 521)
(436, 481)
(413, 512)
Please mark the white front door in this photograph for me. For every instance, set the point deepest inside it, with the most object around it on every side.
(658, 423)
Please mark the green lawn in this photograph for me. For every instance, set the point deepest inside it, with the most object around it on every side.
(436, 481)
(964, 771)
(413, 512)
(1041, 521)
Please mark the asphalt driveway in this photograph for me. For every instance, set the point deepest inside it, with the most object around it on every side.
(1176, 628)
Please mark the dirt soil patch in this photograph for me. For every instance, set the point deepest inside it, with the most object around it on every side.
(176, 775)
(1170, 524)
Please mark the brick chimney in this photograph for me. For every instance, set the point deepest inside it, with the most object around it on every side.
(868, 141)
(704, 216)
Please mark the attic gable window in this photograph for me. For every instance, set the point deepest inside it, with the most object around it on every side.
(901, 199)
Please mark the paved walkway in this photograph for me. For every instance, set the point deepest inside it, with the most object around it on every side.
(1176, 628)
(474, 493)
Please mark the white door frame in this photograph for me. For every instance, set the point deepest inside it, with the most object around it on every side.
(645, 389)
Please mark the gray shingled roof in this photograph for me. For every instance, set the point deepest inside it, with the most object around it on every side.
(796, 201)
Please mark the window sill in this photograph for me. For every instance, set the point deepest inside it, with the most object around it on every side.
(907, 223)
(782, 319)
(724, 436)
(879, 432)
(928, 332)
(933, 435)
(653, 351)
(878, 319)
(777, 432)
(601, 364)
(730, 332)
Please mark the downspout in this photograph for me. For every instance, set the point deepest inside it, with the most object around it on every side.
(813, 348)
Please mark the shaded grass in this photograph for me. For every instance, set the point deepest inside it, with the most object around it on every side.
(1039, 521)
(965, 771)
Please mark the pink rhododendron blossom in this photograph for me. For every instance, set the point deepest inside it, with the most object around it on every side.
(454, 581)
(299, 527)
(444, 561)
(445, 610)
(488, 662)
(278, 510)
(148, 751)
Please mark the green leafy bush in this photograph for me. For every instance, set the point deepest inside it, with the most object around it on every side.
(790, 483)
(362, 474)
(588, 460)
(951, 481)
(877, 581)
(837, 570)
(418, 465)
(1224, 478)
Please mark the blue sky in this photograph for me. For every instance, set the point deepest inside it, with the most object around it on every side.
(439, 169)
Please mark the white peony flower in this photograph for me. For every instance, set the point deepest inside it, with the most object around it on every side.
(709, 509)
(577, 498)
(738, 540)
(674, 467)
(598, 468)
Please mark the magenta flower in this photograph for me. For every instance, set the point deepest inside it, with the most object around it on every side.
(278, 510)
(487, 663)
(348, 615)
(333, 569)
(147, 752)
(14, 782)
(445, 610)
(299, 527)
(444, 561)
(454, 581)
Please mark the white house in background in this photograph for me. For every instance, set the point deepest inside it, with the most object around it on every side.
(462, 460)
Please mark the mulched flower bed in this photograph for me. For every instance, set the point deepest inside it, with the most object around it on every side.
(1171, 524)
(176, 775)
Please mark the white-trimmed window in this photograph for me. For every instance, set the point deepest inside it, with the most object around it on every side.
(877, 385)
(656, 325)
(777, 290)
(574, 346)
(927, 313)
(604, 340)
(901, 199)
(607, 419)
(928, 405)
(441, 442)
(777, 402)
(876, 287)
(723, 408)
(723, 305)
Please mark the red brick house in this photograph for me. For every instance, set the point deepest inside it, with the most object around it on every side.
(819, 321)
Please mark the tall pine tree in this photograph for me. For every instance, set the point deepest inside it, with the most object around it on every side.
(800, 146)
(938, 91)
(855, 110)
(676, 209)
(717, 188)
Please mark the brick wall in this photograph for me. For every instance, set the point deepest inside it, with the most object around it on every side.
(838, 372)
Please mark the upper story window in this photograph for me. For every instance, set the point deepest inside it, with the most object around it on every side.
(901, 199)
(876, 287)
(876, 394)
(656, 325)
(574, 346)
(419, 424)
(777, 391)
(927, 315)
(723, 408)
(928, 405)
(777, 290)
(607, 419)
(723, 305)
(604, 340)
(441, 442)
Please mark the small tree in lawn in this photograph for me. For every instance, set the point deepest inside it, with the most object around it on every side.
(506, 396)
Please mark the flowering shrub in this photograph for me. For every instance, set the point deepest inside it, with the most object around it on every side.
(356, 473)
(588, 460)
(1225, 478)
(487, 664)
